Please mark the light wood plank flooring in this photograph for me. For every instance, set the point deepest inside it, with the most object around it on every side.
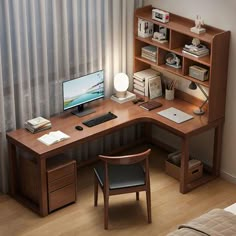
(127, 216)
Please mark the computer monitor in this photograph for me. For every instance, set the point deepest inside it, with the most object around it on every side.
(81, 90)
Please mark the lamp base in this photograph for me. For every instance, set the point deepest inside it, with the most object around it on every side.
(198, 112)
(129, 97)
(120, 94)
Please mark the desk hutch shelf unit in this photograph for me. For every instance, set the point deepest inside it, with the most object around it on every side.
(216, 62)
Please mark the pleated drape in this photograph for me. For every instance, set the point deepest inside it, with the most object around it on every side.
(44, 42)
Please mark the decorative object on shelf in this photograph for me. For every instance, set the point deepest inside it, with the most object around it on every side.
(161, 35)
(160, 15)
(196, 49)
(149, 52)
(145, 28)
(196, 42)
(198, 72)
(198, 26)
(172, 60)
(194, 86)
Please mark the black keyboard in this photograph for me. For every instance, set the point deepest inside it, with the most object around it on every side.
(99, 119)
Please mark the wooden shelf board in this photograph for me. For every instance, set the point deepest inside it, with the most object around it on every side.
(182, 25)
(203, 83)
(146, 61)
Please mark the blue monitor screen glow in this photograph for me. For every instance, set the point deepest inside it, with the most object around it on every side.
(82, 90)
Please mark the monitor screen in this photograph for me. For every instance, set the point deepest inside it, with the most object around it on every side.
(82, 90)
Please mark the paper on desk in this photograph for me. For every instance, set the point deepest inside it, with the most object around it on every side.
(53, 137)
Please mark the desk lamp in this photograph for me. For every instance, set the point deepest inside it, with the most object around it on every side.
(121, 84)
(194, 86)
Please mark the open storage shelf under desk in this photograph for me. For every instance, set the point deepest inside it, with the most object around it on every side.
(128, 114)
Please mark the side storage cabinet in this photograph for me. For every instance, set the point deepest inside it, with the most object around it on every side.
(62, 183)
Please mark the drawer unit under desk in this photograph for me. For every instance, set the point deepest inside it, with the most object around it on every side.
(62, 183)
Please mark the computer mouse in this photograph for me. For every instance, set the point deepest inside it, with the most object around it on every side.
(78, 127)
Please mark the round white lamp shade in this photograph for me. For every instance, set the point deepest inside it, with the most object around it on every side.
(121, 84)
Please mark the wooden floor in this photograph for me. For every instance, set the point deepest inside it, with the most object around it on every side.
(127, 216)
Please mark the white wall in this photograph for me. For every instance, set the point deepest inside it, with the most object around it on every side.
(220, 14)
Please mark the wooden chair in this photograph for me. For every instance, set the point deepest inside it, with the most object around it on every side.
(123, 174)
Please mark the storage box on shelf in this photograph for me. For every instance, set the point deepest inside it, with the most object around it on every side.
(172, 167)
(216, 62)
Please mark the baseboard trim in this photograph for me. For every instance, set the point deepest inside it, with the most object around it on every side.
(228, 177)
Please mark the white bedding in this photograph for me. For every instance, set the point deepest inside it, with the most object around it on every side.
(231, 208)
(215, 222)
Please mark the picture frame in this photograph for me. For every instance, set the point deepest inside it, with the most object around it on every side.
(155, 87)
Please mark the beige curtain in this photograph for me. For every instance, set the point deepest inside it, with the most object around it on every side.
(44, 42)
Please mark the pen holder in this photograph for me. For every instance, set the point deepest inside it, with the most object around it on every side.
(169, 94)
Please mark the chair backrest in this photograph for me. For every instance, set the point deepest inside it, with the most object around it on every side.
(126, 159)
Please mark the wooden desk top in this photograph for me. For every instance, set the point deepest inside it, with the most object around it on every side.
(128, 113)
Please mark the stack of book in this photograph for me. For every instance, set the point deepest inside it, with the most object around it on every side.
(196, 51)
(141, 80)
(149, 52)
(145, 28)
(37, 124)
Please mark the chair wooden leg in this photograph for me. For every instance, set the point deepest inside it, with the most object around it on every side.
(106, 206)
(148, 198)
(95, 191)
(137, 196)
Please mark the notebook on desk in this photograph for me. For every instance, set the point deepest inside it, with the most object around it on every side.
(175, 115)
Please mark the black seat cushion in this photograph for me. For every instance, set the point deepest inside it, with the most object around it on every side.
(121, 176)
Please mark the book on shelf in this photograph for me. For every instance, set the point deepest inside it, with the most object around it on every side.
(144, 76)
(138, 92)
(155, 87)
(147, 73)
(37, 124)
(195, 55)
(200, 52)
(141, 88)
(140, 83)
(150, 105)
(53, 137)
(149, 58)
(150, 49)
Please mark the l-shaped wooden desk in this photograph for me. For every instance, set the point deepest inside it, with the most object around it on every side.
(128, 114)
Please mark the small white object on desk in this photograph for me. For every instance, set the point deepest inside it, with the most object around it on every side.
(53, 137)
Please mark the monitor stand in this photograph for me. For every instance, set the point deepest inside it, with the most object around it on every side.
(83, 111)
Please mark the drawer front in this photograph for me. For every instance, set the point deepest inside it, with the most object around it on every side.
(62, 197)
(62, 182)
(60, 172)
